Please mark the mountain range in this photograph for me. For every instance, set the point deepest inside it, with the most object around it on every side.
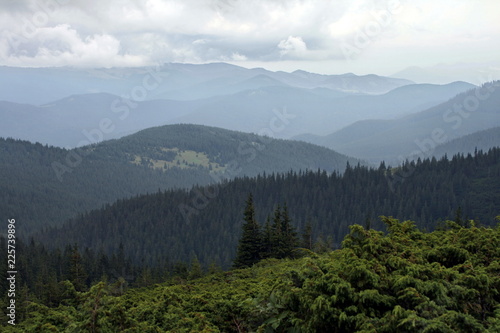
(86, 106)
(177, 81)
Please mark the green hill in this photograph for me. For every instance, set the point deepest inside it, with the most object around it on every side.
(44, 186)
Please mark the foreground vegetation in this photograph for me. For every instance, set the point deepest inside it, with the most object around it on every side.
(403, 281)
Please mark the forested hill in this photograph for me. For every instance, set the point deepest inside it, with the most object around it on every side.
(222, 152)
(175, 225)
(44, 185)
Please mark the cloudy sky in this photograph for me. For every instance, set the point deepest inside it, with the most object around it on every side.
(337, 36)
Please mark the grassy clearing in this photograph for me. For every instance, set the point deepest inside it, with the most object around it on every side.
(185, 159)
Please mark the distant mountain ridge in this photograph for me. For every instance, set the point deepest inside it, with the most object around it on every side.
(171, 81)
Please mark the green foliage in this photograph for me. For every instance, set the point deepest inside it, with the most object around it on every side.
(278, 240)
(402, 281)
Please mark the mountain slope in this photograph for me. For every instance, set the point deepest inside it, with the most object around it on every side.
(482, 140)
(206, 221)
(61, 183)
(416, 135)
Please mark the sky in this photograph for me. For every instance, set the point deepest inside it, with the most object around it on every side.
(459, 37)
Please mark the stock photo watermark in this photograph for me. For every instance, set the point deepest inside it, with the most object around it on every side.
(11, 271)
(363, 37)
(247, 153)
(30, 23)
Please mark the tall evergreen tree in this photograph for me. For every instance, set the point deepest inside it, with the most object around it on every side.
(277, 239)
(290, 236)
(195, 271)
(77, 272)
(250, 245)
(285, 238)
(267, 239)
(307, 242)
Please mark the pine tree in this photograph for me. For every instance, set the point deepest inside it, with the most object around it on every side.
(290, 237)
(195, 271)
(284, 238)
(250, 245)
(78, 276)
(307, 242)
(267, 240)
(277, 239)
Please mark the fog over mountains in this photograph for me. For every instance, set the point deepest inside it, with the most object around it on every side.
(69, 107)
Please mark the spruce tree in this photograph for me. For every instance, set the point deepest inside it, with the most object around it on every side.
(267, 240)
(277, 239)
(307, 242)
(250, 245)
(285, 238)
(195, 271)
(290, 237)
(77, 272)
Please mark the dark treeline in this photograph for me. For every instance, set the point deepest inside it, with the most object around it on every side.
(176, 225)
(43, 274)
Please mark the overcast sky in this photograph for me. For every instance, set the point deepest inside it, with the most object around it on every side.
(333, 37)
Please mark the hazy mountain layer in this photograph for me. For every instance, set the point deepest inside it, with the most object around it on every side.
(171, 81)
(418, 134)
(278, 111)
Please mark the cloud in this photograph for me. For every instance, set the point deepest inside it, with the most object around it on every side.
(144, 32)
(63, 46)
(293, 47)
(238, 57)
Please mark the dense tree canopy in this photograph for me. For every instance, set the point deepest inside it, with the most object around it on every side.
(403, 280)
(206, 221)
